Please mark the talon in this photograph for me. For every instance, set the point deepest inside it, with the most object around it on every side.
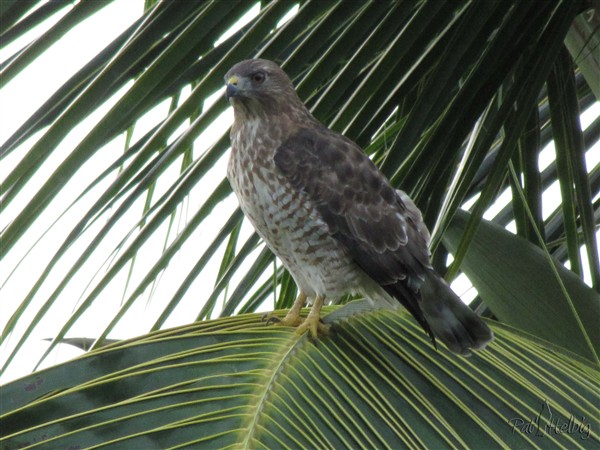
(313, 323)
(292, 318)
(272, 319)
(269, 317)
(315, 329)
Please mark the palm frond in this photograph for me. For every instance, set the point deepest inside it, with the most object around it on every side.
(373, 383)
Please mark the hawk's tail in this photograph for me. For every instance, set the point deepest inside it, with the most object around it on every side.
(451, 321)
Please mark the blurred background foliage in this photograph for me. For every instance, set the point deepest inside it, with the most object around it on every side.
(463, 104)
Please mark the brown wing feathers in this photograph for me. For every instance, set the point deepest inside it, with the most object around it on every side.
(361, 209)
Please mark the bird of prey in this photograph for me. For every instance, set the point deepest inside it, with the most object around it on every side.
(330, 215)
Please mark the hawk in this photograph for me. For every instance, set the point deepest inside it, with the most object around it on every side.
(330, 215)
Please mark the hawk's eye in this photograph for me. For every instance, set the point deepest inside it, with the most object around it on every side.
(258, 77)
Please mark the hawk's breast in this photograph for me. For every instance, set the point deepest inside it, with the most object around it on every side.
(286, 219)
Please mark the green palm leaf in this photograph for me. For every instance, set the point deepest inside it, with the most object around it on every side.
(375, 382)
(527, 289)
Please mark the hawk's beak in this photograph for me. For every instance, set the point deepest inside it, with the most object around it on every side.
(232, 87)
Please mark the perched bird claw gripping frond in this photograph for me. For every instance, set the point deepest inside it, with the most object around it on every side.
(292, 319)
(270, 318)
(313, 323)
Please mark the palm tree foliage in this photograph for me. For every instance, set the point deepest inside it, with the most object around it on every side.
(233, 382)
(455, 101)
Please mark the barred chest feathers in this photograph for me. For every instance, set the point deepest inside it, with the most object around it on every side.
(285, 217)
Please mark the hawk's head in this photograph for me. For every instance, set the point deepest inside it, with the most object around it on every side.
(257, 87)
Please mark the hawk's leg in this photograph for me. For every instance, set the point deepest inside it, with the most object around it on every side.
(313, 322)
(292, 318)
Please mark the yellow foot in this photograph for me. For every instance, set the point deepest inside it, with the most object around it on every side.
(313, 323)
(290, 320)
(314, 326)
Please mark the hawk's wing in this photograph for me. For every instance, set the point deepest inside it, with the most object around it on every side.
(380, 227)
